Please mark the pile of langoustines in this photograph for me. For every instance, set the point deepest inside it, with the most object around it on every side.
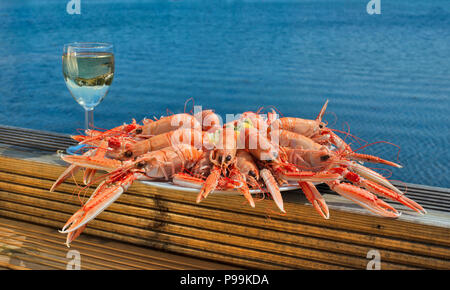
(254, 151)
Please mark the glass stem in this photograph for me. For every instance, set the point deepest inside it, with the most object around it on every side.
(89, 119)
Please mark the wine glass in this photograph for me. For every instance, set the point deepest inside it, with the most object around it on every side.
(88, 69)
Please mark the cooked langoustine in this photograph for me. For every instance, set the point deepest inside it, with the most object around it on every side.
(248, 153)
(160, 164)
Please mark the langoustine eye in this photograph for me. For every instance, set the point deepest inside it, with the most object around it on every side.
(140, 164)
(324, 157)
(128, 154)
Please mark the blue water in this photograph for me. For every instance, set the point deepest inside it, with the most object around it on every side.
(387, 76)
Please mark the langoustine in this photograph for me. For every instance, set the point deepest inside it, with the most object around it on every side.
(248, 153)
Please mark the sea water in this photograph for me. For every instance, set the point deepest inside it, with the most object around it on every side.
(386, 76)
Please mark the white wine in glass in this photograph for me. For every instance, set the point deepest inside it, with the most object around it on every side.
(88, 70)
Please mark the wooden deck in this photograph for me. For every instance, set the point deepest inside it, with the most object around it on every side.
(221, 229)
(25, 245)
